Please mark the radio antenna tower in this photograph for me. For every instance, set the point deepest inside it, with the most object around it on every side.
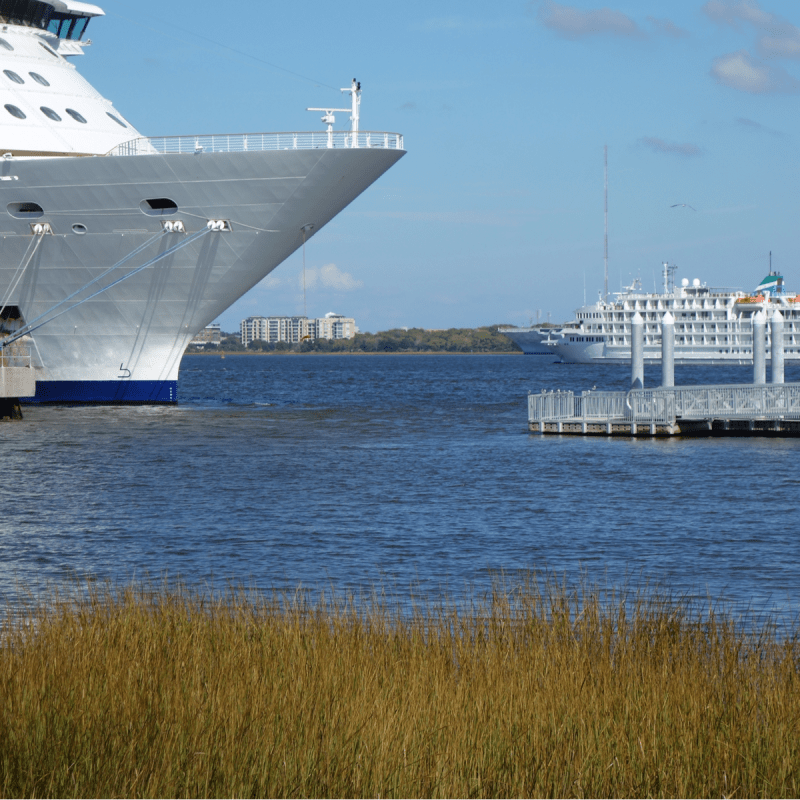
(605, 247)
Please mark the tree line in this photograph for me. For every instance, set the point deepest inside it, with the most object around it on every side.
(398, 340)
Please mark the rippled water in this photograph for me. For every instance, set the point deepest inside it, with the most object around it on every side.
(275, 471)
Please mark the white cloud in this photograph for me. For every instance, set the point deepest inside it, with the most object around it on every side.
(779, 37)
(667, 27)
(732, 11)
(741, 71)
(574, 23)
(326, 277)
(660, 146)
(757, 126)
(331, 277)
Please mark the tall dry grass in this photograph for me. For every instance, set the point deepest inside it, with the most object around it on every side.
(164, 693)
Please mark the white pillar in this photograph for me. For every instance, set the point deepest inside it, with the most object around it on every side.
(759, 348)
(637, 351)
(776, 332)
(668, 350)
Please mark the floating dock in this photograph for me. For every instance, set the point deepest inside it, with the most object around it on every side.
(770, 410)
(757, 409)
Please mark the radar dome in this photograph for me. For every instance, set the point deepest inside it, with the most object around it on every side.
(696, 282)
(685, 282)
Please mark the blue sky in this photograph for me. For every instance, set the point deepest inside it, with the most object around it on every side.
(496, 212)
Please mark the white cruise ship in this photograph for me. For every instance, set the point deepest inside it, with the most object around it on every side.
(116, 249)
(537, 340)
(712, 326)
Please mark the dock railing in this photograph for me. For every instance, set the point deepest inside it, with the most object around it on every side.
(244, 142)
(665, 406)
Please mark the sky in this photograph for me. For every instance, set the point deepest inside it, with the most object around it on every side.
(495, 215)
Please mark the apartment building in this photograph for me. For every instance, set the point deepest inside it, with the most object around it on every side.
(211, 334)
(296, 329)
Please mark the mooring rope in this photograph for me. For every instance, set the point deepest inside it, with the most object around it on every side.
(32, 326)
(20, 271)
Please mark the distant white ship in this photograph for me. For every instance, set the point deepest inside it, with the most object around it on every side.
(115, 249)
(712, 326)
(536, 340)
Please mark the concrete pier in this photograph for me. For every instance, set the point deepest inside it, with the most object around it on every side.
(16, 379)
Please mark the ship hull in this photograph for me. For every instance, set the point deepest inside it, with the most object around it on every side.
(532, 342)
(125, 344)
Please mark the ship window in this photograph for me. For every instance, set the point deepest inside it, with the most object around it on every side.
(49, 49)
(4, 43)
(80, 27)
(12, 76)
(158, 207)
(39, 79)
(67, 26)
(76, 116)
(116, 119)
(48, 112)
(25, 210)
(14, 111)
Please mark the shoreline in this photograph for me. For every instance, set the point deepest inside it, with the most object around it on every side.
(350, 353)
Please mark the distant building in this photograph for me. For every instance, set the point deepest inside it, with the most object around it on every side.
(211, 334)
(296, 329)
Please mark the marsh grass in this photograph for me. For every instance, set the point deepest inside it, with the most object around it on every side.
(162, 692)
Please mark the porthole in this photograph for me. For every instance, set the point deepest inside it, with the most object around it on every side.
(49, 49)
(39, 79)
(4, 43)
(79, 228)
(116, 119)
(76, 116)
(48, 112)
(158, 207)
(25, 210)
(12, 76)
(14, 111)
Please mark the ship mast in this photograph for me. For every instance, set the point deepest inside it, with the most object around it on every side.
(605, 247)
(354, 90)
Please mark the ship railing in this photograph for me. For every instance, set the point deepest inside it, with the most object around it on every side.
(244, 142)
(663, 406)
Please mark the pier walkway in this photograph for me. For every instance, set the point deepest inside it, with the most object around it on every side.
(768, 409)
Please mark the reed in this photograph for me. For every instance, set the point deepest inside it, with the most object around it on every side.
(161, 692)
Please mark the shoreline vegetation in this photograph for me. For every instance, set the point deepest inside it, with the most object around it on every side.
(398, 340)
(541, 691)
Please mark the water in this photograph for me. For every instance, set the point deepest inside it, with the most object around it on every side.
(279, 471)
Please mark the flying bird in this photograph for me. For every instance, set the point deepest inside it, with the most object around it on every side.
(683, 205)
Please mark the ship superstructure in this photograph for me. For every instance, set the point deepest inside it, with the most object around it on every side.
(712, 326)
(116, 249)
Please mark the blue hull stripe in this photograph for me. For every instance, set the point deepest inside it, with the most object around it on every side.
(122, 391)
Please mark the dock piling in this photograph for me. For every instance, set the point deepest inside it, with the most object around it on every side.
(668, 350)
(759, 348)
(776, 334)
(637, 351)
